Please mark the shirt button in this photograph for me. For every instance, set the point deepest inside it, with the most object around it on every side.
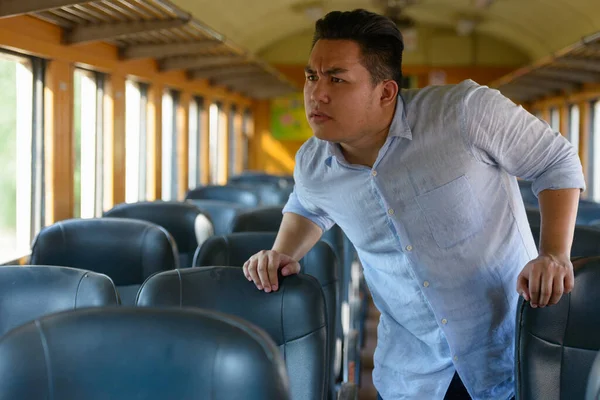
(455, 358)
(426, 284)
(374, 173)
(409, 248)
(444, 321)
(391, 211)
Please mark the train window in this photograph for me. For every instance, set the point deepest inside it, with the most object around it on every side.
(216, 126)
(136, 113)
(169, 145)
(247, 126)
(88, 91)
(195, 141)
(232, 140)
(21, 152)
(555, 119)
(574, 126)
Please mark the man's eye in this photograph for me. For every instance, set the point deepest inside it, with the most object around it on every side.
(311, 77)
(336, 80)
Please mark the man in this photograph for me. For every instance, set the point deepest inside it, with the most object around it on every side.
(423, 184)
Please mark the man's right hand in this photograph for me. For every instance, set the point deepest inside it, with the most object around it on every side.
(262, 269)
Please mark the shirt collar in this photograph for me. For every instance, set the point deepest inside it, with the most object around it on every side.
(398, 128)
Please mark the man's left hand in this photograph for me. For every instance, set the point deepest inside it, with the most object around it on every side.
(544, 280)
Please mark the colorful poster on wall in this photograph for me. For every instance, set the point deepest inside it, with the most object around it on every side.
(288, 120)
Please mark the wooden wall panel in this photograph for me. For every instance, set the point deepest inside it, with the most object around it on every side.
(59, 152)
(183, 112)
(118, 136)
(154, 166)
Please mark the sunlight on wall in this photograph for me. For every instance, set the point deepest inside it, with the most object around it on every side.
(133, 101)
(278, 158)
(88, 146)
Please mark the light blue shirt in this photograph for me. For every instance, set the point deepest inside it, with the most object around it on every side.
(441, 231)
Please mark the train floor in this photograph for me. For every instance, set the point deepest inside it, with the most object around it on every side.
(367, 390)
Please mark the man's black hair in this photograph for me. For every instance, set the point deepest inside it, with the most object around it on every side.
(379, 38)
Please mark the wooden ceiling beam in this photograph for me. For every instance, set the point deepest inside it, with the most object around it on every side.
(11, 8)
(221, 72)
(167, 49)
(178, 63)
(108, 31)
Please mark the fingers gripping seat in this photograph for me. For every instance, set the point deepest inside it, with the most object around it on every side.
(294, 316)
(29, 292)
(556, 345)
(126, 250)
(232, 194)
(179, 219)
(128, 353)
(320, 262)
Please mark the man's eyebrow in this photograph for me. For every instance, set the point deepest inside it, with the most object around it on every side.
(330, 71)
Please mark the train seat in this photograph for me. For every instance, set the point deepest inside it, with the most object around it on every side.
(184, 221)
(130, 353)
(127, 250)
(30, 292)
(294, 316)
(556, 346)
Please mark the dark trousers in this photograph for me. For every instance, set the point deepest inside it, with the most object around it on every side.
(456, 390)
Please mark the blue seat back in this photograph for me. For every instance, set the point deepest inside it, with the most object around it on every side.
(229, 193)
(179, 219)
(127, 250)
(221, 213)
(556, 345)
(29, 292)
(129, 353)
(294, 316)
(320, 262)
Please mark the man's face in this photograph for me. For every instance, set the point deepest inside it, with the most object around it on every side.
(340, 100)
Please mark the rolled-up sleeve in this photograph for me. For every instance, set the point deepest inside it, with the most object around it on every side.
(298, 205)
(504, 134)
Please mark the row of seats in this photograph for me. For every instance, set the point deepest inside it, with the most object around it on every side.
(129, 261)
(126, 353)
(227, 207)
(163, 348)
(181, 227)
(131, 251)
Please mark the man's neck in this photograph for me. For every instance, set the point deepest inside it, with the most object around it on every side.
(367, 151)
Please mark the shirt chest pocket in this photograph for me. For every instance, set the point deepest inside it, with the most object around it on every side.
(452, 212)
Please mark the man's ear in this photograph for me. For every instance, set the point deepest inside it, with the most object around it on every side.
(389, 92)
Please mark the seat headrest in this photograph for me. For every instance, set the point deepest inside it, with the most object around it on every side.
(271, 195)
(261, 177)
(127, 250)
(235, 249)
(227, 290)
(558, 343)
(29, 292)
(177, 218)
(232, 194)
(294, 316)
(128, 353)
(221, 213)
(262, 219)
(593, 388)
